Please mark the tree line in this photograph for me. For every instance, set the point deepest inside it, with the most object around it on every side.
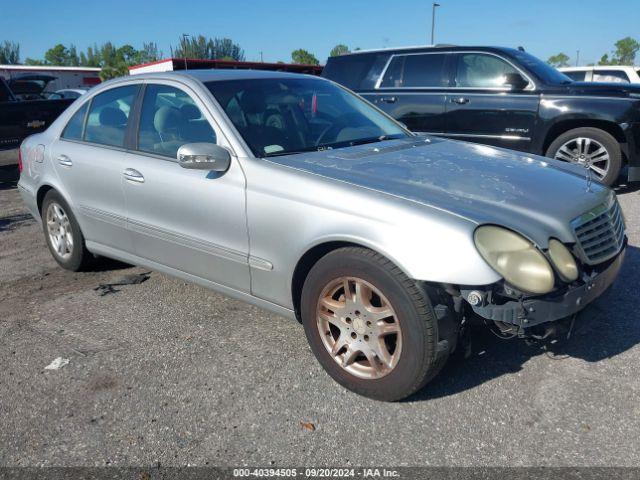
(624, 53)
(114, 60)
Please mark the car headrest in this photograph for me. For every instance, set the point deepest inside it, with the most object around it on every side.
(167, 119)
(112, 117)
(190, 111)
(252, 101)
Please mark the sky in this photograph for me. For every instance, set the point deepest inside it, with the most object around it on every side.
(276, 27)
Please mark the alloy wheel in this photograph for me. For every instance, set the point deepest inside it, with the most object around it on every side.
(59, 230)
(359, 327)
(587, 152)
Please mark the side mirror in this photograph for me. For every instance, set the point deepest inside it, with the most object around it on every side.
(514, 81)
(204, 156)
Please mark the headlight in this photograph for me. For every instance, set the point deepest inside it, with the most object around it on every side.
(563, 260)
(515, 258)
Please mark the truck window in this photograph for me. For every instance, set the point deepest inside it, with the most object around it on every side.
(610, 76)
(415, 70)
(576, 76)
(477, 70)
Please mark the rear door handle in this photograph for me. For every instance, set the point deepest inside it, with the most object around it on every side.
(389, 99)
(133, 175)
(460, 100)
(65, 161)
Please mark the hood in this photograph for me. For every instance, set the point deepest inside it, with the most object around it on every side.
(533, 195)
(604, 89)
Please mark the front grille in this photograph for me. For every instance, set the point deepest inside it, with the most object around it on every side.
(600, 233)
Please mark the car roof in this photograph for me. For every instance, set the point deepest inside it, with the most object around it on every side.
(597, 67)
(429, 48)
(212, 75)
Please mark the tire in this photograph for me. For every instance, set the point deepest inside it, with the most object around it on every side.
(597, 138)
(71, 253)
(414, 360)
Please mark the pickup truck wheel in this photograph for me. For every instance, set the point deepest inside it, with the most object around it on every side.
(592, 148)
(371, 327)
(62, 233)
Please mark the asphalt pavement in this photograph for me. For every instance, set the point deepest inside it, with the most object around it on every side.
(165, 372)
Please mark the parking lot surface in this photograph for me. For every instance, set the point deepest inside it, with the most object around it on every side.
(168, 373)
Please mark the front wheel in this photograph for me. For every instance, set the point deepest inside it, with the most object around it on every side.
(371, 327)
(592, 148)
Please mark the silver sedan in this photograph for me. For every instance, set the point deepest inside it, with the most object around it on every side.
(294, 194)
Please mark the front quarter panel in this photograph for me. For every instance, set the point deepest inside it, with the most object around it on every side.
(290, 211)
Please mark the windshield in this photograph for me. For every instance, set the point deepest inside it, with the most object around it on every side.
(280, 116)
(546, 72)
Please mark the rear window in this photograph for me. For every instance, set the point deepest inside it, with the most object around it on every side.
(417, 70)
(75, 128)
(357, 72)
(107, 119)
(610, 76)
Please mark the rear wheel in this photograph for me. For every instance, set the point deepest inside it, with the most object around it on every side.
(592, 148)
(62, 233)
(371, 327)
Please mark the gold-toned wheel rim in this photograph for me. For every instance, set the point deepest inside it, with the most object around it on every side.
(359, 327)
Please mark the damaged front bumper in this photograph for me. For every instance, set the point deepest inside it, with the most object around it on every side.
(527, 312)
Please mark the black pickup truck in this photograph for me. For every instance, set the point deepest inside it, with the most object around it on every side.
(24, 111)
(503, 97)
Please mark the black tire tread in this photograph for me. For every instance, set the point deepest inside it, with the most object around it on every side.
(80, 261)
(431, 364)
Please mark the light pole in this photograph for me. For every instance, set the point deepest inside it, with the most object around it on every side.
(577, 57)
(433, 20)
(184, 49)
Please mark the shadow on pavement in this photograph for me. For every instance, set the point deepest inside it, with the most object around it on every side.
(606, 328)
(9, 177)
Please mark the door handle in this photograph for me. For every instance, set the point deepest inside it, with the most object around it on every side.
(389, 99)
(65, 161)
(460, 100)
(133, 175)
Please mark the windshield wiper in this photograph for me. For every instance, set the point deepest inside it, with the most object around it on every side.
(381, 138)
(293, 152)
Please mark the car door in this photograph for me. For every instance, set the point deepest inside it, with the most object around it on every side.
(89, 158)
(481, 109)
(189, 220)
(412, 90)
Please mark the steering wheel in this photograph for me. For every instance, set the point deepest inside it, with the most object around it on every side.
(336, 124)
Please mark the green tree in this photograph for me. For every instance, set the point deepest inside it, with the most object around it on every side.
(304, 57)
(148, 53)
(338, 50)
(57, 55)
(9, 53)
(34, 61)
(626, 50)
(559, 60)
(204, 48)
(604, 60)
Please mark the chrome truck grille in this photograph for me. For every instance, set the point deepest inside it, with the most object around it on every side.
(599, 232)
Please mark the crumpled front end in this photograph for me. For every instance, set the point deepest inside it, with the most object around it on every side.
(599, 249)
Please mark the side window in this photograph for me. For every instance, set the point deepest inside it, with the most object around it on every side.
(75, 127)
(477, 70)
(169, 119)
(420, 70)
(576, 76)
(611, 76)
(108, 115)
